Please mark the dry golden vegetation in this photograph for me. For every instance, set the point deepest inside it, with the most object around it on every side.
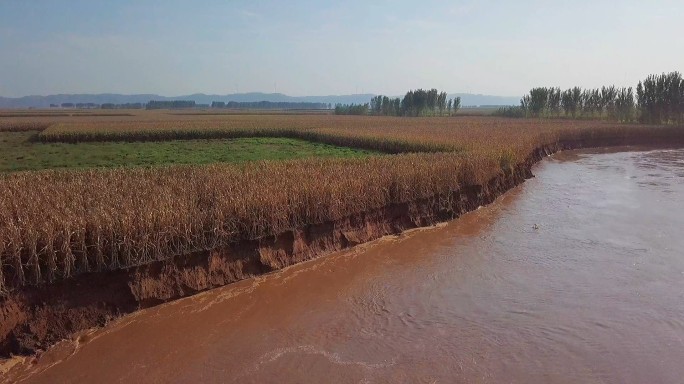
(386, 134)
(22, 126)
(56, 224)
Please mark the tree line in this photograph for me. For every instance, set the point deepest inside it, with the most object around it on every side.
(175, 104)
(269, 105)
(605, 102)
(415, 103)
(76, 105)
(659, 99)
(122, 106)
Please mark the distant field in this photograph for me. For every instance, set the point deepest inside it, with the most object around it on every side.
(18, 153)
(9, 116)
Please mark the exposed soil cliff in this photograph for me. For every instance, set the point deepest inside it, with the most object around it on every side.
(35, 317)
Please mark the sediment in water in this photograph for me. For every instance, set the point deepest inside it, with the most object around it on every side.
(34, 317)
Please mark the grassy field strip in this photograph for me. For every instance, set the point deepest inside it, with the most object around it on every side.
(19, 153)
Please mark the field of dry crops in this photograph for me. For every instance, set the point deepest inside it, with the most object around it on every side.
(56, 224)
(388, 134)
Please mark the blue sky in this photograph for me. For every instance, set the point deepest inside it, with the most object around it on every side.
(320, 47)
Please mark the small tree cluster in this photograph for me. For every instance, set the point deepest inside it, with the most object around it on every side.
(417, 102)
(385, 106)
(420, 102)
(351, 109)
(660, 99)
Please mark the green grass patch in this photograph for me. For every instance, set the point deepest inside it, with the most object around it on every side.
(19, 153)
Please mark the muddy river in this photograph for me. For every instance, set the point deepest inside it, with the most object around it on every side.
(575, 276)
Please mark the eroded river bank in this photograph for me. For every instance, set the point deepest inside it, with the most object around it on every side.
(575, 276)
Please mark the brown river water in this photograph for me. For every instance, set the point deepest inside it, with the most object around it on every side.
(577, 276)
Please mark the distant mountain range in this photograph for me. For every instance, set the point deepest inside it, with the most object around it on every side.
(467, 99)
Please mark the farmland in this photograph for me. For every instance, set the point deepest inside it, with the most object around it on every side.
(58, 224)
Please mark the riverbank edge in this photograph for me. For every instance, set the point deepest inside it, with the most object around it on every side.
(34, 318)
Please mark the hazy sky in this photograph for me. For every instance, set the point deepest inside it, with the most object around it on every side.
(320, 47)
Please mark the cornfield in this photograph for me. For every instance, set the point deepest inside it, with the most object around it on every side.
(57, 224)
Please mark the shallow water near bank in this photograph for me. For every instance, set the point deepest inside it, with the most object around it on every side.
(575, 276)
